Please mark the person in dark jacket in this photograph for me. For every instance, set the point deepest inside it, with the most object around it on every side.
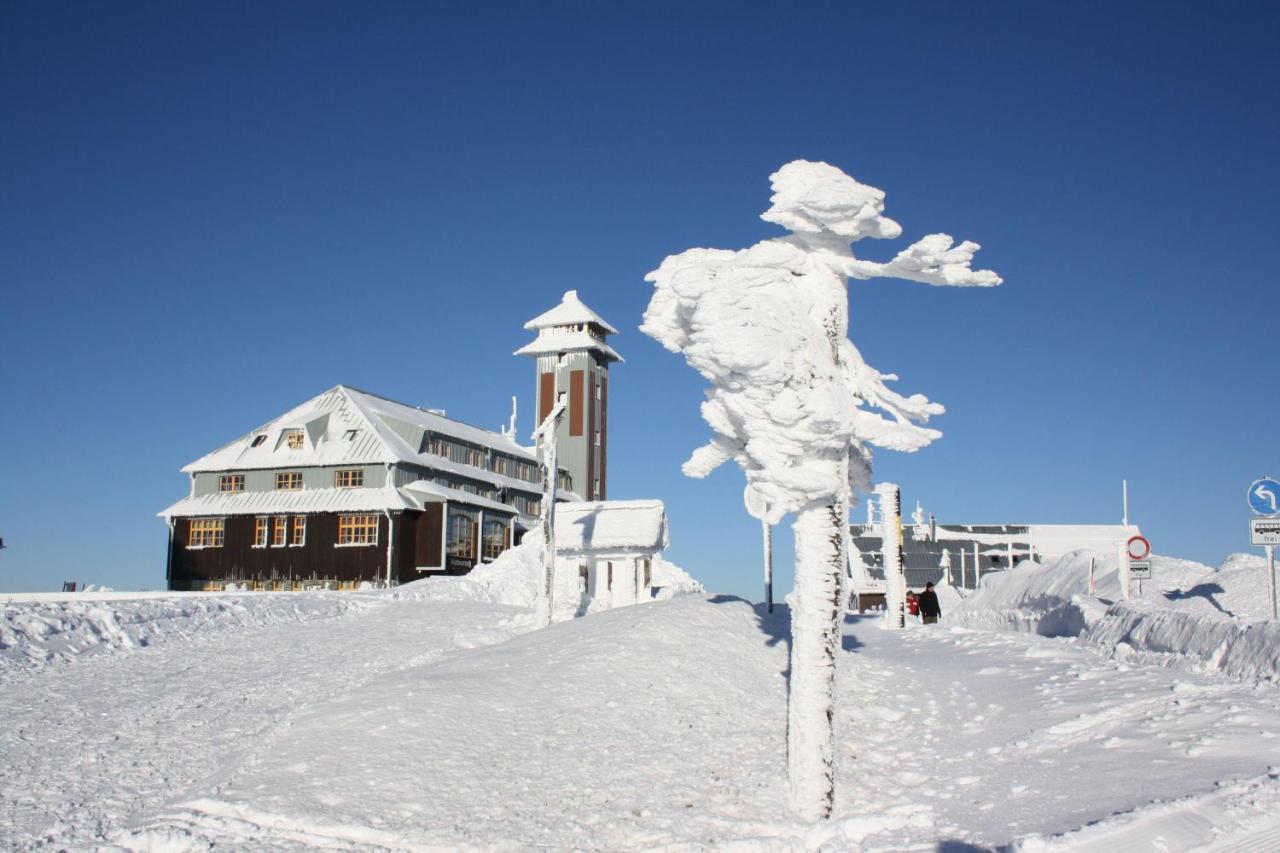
(930, 610)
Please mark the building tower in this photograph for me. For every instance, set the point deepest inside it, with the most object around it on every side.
(573, 360)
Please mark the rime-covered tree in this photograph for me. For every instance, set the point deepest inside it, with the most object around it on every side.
(795, 405)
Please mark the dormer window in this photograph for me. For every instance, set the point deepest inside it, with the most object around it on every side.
(258, 439)
(293, 439)
(231, 483)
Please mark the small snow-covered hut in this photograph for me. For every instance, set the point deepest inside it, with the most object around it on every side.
(614, 543)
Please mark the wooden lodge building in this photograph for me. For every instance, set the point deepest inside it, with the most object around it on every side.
(351, 488)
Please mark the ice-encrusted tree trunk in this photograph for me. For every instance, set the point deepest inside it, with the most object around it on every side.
(792, 402)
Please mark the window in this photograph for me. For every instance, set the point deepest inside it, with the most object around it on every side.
(289, 481)
(231, 483)
(205, 532)
(348, 478)
(299, 537)
(260, 526)
(357, 530)
(293, 439)
(258, 439)
(462, 532)
(279, 531)
(526, 505)
(495, 538)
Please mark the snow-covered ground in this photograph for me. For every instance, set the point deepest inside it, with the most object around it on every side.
(435, 717)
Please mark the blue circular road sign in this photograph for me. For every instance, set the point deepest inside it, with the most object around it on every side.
(1264, 497)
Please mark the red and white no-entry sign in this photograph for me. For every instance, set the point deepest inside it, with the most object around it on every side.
(1139, 548)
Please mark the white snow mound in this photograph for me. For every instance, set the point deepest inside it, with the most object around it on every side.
(1188, 615)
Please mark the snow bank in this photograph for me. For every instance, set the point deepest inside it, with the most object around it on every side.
(37, 632)
(515, 578)
(1188, 615)
(669, 580)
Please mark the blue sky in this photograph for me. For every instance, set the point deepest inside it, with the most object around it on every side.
(209, 213)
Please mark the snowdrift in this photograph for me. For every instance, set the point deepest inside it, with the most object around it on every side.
(36, 632)
(1189, 615)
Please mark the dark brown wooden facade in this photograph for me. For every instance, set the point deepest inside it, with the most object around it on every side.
(417, 546)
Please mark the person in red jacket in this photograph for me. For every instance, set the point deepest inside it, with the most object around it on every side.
(930, 609)
(913, 603)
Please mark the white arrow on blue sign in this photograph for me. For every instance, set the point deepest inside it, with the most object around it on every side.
(1264, 497)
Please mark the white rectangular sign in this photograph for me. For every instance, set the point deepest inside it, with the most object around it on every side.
(1264, 531)
(1140, 570)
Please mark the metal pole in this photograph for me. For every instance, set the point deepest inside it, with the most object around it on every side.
(1126, 502)
(1122, 563)
(1271, 577)
(1093, 587)
(768, 565)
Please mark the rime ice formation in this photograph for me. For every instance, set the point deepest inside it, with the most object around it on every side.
(795, 405)
(790, 395)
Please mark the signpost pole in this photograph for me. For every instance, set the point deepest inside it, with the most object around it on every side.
(1271, 577)
(1093, 561)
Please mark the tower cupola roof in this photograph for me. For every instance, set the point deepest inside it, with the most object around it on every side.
(570, 326)
(570, 312)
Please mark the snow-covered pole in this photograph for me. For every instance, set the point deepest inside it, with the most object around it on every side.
(1009, 550)
(964, 571)
(768, 565)
(895, 580)
(546, 436)
(977, 567)
(946, 566)
(1122, 563)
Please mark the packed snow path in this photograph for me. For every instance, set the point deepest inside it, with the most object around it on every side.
(91, 744)
(629, 729)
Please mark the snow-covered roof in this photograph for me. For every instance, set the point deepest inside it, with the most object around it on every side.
(569, 312)
(289, 501)
(347, 426)
(600, 527)
(554, 341)
(414, 496)
(425, 492)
